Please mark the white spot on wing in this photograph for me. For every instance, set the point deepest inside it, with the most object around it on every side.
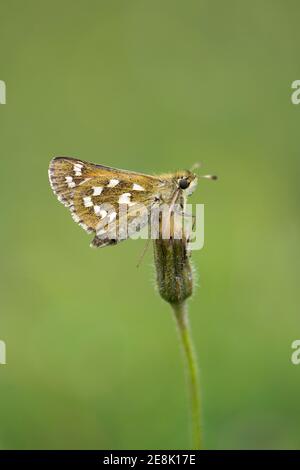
(100, 212)
(125, 198)
(70, 182)
(97, 210)
(87, 201)
(137, 187)
(77, 168)
(97, 190)
(112, 183)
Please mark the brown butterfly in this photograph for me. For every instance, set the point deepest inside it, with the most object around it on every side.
(95, 193)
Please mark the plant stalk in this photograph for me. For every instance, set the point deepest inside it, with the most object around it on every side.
(192, 373)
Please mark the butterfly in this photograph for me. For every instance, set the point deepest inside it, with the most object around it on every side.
(95, 195)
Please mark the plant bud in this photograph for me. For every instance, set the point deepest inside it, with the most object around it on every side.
(173, 270)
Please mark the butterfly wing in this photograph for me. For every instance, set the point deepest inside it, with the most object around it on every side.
(95, 193)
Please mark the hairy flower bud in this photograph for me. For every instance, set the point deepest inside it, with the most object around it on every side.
(173, 270)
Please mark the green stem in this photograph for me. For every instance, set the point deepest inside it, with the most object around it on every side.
(181, 315)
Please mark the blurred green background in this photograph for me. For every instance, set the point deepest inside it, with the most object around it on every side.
(93, 359)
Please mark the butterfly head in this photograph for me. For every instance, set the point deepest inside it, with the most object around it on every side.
(187, 182)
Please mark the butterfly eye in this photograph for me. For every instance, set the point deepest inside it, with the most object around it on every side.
(183, 183)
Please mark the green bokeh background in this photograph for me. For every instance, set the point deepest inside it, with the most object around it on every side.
(93, 359)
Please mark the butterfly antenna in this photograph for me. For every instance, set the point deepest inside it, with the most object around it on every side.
(196, 166)
(142, 255)
(208, 177)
